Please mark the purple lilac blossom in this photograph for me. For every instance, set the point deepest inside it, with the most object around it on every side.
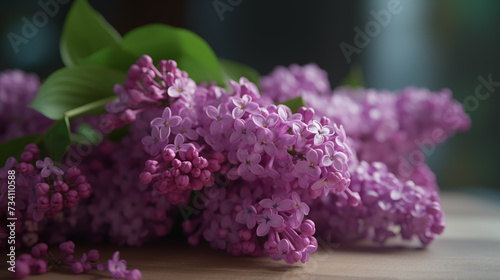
(389, 207)
(390, 127)
(243, 138)
(43, 192)
(17, 91)
(386, 130)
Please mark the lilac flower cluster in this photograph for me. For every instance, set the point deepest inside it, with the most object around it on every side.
(397, 128)
(40, 261)
(17, 91)
(388, 132)
(238, 215)
(179, 169)
(122, 210)
(43, 192)
(204, 130)
(393, 128)
(148, 87)
(389, 207)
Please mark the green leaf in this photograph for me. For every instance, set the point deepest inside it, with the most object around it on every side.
(190, 51)
(75, 87)
(14, 147)
(294, 104)
(235, 70)
(58, 140)
(113, 57)
(354, 78)
(85, 31)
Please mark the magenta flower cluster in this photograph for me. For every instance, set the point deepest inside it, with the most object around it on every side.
(391, 134)
(40, 260)
(206, 131)
(399, 129)
(389, 207)
(17, 91)
(122, 210)
(44, 190)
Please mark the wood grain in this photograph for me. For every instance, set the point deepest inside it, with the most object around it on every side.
(468, 249)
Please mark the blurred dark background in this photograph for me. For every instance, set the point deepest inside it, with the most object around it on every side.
(431, 43)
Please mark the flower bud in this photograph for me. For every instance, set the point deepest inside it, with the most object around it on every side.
(67, 248)
(39, 267)
(186, 167)
(93, 256)
(84, 190)
(42, 189)
(27, 157)
(168, 155)
(176, 163)
(39, 250)
(77, 268)
(145, 61)
(308, 228)
(145, 177)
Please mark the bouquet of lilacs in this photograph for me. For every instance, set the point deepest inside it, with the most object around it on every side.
(147, 132)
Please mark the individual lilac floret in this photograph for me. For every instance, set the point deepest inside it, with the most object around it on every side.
(267, 220)
(117, 267)
(243, 105)
(166, 123)
(48, 168)
(154, 142)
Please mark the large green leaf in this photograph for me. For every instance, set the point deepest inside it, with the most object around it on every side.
(235, 70)
(190, 51)
(294, 104)
(14, 147)
(112, 57)
(58, 140)
(85, 32)
(87, 86)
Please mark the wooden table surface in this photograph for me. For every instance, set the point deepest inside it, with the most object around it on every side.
(468, 249)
